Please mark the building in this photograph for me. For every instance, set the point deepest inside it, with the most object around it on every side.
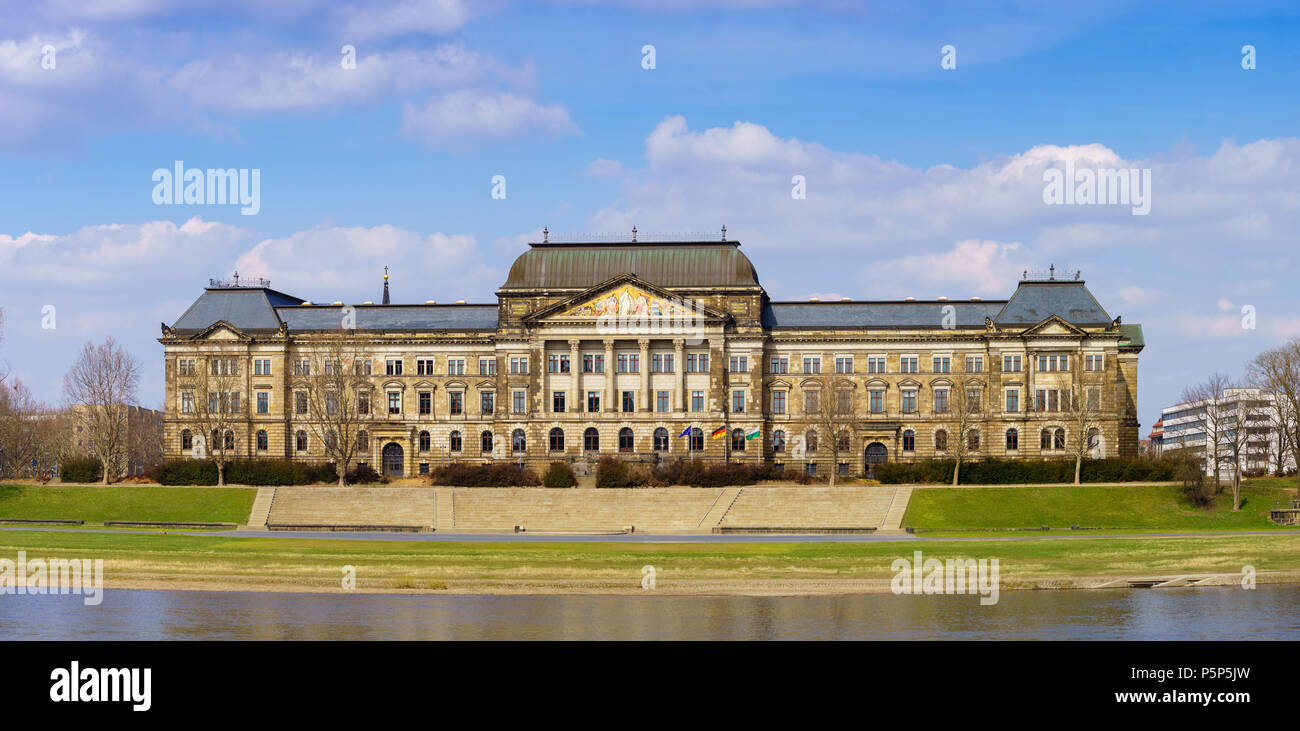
(1200, 426)
(1155, 442)
(645, 350)
(143, 436)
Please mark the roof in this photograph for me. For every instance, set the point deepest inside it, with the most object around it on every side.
(669, 264)
(877, 314)
(247, 308)
(1131, 335)
(392, 317)
(1035, 301)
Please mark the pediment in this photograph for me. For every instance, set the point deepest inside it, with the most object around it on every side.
(220, 330)
(1053, 325)
(627, 298)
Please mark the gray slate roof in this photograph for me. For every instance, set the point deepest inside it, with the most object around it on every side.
(876, 314)
(393, 317)
(1034, 302)
(249, 309)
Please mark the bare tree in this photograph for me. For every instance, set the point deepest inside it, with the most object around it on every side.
(217, 407)
(1206, 399)
(1277, 371)
(835, 414)
(100, 388)
(338, 400)
(21, 429)
(965, 410)
(1235, 436)
(1082, 411)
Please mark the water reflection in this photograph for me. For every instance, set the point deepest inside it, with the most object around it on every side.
(1208, 613)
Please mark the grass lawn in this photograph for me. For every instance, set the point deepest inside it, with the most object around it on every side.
(1143, 507)
(125, 502)
(179, 561)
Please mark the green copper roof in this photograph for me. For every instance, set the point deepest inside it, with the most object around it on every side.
(1132, 336)
(685, 264)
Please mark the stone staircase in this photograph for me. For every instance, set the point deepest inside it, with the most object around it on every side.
(720, 508)
(360, 508)
(261, 511)
(897, 509)
(810, 509)
(650, 510)
(446, 510)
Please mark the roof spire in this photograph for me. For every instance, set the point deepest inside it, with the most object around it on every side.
(634, 234)
(546, 235)
(385, 285)
(1051, 272)
(724, 232)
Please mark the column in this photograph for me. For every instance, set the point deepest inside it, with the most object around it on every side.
(611, 402)
(647, 400)
(679, 367)
(576, 398)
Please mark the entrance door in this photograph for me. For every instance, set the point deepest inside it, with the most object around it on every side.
(877, 453)
(393, 461)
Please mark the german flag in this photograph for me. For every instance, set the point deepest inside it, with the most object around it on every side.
(719, 432)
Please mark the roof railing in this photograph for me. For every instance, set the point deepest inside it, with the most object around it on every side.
(235, 282)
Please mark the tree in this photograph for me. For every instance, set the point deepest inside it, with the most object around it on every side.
(1082, 411)
(100, 388)
(21, 429)
(834, 412)
(1277, 371)
(1206, 401)
(338, 400)
(217, 407)
(965, 410)
(1235, 436)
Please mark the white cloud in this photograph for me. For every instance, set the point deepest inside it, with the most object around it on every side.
(602, 168)
(387, 19)
(459, 117)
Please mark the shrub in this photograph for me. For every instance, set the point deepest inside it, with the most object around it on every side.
(364, 474)
(465, 474)
(81, 469)
(612, 472)
(1195, 486)
(996, 471)
(559, 474)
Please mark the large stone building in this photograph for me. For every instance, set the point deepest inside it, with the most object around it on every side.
(647, 350)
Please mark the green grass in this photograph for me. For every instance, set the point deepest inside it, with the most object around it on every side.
(1143, 507)
(126, 502)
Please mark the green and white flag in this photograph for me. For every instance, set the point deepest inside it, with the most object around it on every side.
(753, 433)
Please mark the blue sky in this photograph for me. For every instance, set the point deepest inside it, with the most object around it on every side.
(922, 181)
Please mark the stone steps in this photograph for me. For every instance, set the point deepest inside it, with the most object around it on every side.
(653, 510)
(809, 507)
(897, 509)
(354, 506)
(261, 510)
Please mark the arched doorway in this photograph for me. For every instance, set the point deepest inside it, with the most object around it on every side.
(393, 460)
(877, 453)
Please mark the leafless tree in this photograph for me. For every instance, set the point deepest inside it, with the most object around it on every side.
(217, 408)
(1082, 411)
(1235, 436)
(965, 410)
(21, 429)
(834, 413)
(1207, 401)
(1277, 371)
(99, 389)
(338, 400)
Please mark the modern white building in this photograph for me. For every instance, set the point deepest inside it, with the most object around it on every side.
(1198, 425)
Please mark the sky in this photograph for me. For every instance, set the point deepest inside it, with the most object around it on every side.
(919, 179)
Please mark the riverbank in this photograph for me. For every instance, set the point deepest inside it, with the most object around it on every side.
(223, 563)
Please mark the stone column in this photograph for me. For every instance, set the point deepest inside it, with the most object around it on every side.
(575, 373)
(679, 367)
(610, 393)
(647, 396)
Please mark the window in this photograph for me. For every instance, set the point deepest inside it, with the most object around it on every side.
(812, 402)
(738, 363)
(697, 362)
(941, 441)
(487, 401)
(519, 401)
(263, 402)
(185, 367)
(593, 402)
(591, 440)
(876, 364)
(300, 402)
(424, 367)
(187, 439)
(661, 440)
(778, 440)
(909, 401)
(778, 402)
(300, 441)
(629, 363)
(843, 364)
(225, 367)
(629, 402)
(363, 367)
(940, 400)
(625, 440)
(843, 401)
(1011, 363)
(332, 403)
(909, 441)
(779, 364)
(1040, 400)
(455, 366)
(942, 364)
(973, 440)
(487, 366)
(518, 442)
(485, 442)
(557, 402)
(973, 400)
(737, 440)
(557, 363)
(1094, 399)
(1045, 439)
(810, 441)
(454, 443)
(1058, 439)
(426, 403)
(394, 402)
(812, 364)
(262, 367)
(661, 401)
(697, 400)
(1013, 440)
(363, 441)
(557, 439)
(187, 402)
(737, 402)
(1050, 363)
(908, 364)
(518, 364)
(876, 401)
(1013, 399)
(974, 364)
(593, 363)
(301, 368)
(393, 367)
(333, 368)
(696, 443)
(455, 403)
(661, 363)
(425, 442)
(1092, 362)
(1053, 400)
(363, 402)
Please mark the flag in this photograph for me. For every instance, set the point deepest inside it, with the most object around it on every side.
(753, 434)
(685, 433)
(719, 432)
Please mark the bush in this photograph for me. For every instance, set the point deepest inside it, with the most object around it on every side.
(996, 471)
(559, 474)
(1195, 485)
(81, 469)
(613, 472)
(364, 474)
(465, 474)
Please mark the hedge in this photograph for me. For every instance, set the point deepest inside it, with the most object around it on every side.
(996, 471)
(464, 474)
(256, 472)
(81, 469)
(559, 474)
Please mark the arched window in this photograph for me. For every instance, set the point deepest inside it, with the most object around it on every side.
(261, 440)
(591, 440)
(778, 440)
(215, 441)
(1045, 439)
(843, 442)
(485, 441)
(301, 441)
(557, 439)
(425, 441)
(518, 442)
(737, 440)
(697, 439)
(1058, 439)
(363, 441)
(1013, 440)
(454, 442)
(941, 441)
(661, 440)
(625, 440)
(909, 441)
(973, 440)
(187, 439)
(810, 440)
(230, 439)
(331, 440)
(1094, 443)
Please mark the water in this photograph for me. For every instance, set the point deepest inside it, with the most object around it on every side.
(1266, 613)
